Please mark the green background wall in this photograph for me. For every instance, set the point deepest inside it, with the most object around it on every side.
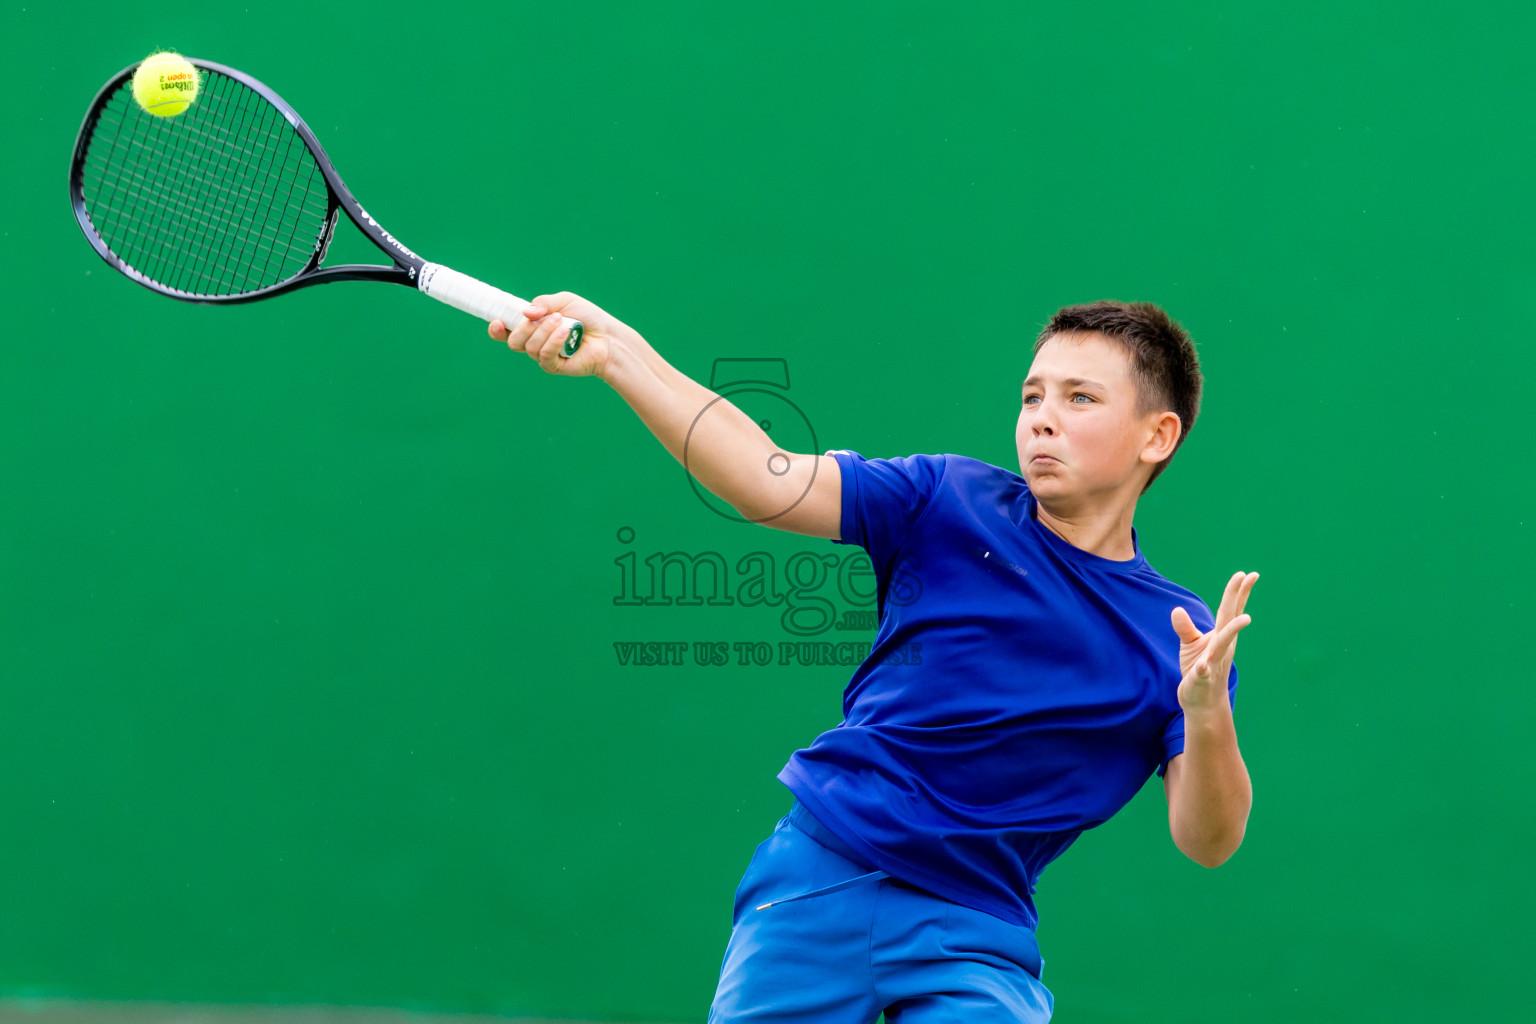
(307, 616)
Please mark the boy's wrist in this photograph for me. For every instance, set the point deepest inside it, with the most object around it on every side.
(1208, 718)
(624, 358)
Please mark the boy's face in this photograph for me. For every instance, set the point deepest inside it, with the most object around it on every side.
(1079, 407)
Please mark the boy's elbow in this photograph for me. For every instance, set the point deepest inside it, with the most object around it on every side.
(1211, 854)
(1211, 860)
(803, 495)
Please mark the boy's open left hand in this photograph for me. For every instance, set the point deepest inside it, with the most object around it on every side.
(1205, 659)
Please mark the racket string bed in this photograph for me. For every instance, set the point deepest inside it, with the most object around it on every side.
(224, 201)
(217, 201)
(131, 217)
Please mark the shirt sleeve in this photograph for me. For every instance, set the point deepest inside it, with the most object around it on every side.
(882, 498)
(1173, 735)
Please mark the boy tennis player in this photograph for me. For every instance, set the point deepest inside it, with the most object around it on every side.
(1057, 670)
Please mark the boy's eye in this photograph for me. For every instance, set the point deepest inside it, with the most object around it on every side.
(1081, 395)
(1075, 395)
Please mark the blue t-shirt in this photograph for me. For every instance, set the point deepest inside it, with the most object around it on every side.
(1019, 689)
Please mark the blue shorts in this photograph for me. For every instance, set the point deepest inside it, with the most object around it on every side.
(820, 937)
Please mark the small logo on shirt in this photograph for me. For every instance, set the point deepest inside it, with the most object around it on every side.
(990, 560)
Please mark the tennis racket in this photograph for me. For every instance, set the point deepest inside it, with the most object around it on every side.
(233, 200)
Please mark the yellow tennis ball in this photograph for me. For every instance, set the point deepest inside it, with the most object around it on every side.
(165, 84)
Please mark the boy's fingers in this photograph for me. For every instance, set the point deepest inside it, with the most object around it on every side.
(1247, 589)
(550, 359)
(1228, 600)
(517, 336)
(1231, 629)
(538, 331)
(529, 335)
(540, 347)
(1226, 637)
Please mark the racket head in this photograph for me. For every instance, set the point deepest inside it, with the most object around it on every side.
(230, 201)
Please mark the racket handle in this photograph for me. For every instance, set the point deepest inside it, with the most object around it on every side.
(464, 292)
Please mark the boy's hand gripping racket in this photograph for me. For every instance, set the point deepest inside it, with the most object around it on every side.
(233, 200)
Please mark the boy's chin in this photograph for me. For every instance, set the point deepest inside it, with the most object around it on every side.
(1051, 487)
(1047, 479)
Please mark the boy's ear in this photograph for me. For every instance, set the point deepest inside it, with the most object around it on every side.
(1164, 437)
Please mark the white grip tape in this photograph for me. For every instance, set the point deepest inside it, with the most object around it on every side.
(475, 297)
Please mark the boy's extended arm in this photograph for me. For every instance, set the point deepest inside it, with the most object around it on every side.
(721, 446)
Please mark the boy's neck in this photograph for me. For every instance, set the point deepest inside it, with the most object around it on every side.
(1105, 532)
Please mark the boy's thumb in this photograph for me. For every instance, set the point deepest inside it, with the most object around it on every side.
(543, 304)
(1184, 626)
